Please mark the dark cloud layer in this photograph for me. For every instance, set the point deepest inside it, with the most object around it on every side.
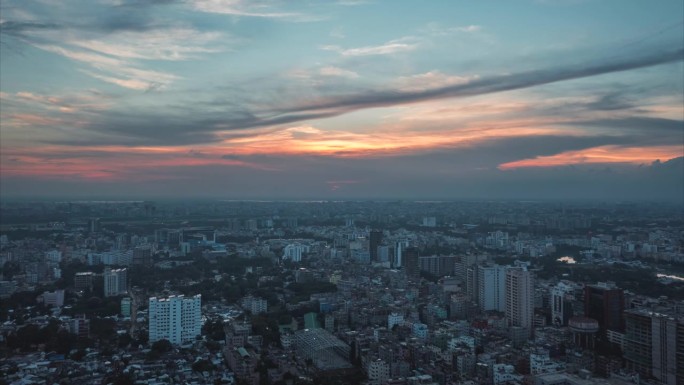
(131, 128)
(496, 83)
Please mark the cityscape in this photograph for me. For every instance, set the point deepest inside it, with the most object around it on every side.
(339, 292)
(341, 192)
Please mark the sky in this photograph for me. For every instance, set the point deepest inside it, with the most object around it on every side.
(346, 99)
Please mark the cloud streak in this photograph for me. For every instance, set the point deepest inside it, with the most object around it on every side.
(494, 84)
(389, 48)
(600, 155)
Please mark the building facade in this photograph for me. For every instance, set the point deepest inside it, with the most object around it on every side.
(491, 285)
(605, 303)
(176, 318)
(519, 298)
(115, 282)
(654, 345)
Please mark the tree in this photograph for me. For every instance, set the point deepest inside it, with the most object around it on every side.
(162, 346)
(202, 366)
(214, 329)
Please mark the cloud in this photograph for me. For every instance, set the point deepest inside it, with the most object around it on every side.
(244, 8)
(469, 28)
(492, 84)
(115, 41)
(21, 28)
(91, 100)
(198, 122)
(171, 44)
(391, 47)
(600, 155)
(436, 29)
(639, 123)
(338, 72)
(431, 79)
(424, 176)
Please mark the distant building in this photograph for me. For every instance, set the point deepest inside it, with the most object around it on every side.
(294, 251)
(519, 298)
(325, 350)
(491, 284)
(505, 374)
(243, 363)
(94, 225)
(255, 305)
(80, 326)
(126, 306)
(584, 331)
(654, 345)
(411, 263)
(399, 248)
(394, 319)
(84, 280)
(561, 304)
(176, 318)
(438, 265)
(605, 303)
(53, 299)
(378, 372)
(115, 282)
(420, 330)
(374, 239)
(142, 255)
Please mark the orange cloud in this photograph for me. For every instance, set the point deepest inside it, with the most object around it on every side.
(600, 155)
(107, 163)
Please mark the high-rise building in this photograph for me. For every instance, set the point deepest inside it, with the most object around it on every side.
(491, 284)
(142, 255)
(115, 282)
(176, 318)
(94, 225)
(654, 345)
(438, 265)
(411, 263)
(472, 288)
(374, 239)
(84, 280)
(399, 249)
(605, 303)
(126, 306)
(519, 298)
(561, 304)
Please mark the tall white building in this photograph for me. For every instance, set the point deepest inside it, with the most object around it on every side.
(294, 251)
(115, 282)
(176, 318)
(560, 311)
(519, 298)
(491, 284)
(399, 248)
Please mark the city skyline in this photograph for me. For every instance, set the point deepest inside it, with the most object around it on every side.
(546, 99)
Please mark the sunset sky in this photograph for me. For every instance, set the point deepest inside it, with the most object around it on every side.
(347, 99)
